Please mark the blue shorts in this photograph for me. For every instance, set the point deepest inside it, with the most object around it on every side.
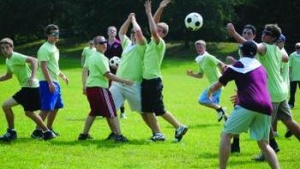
(50, 101)
(203, 98)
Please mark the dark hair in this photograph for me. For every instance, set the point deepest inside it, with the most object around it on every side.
(50, 28)
(274, 29)
(249, 26)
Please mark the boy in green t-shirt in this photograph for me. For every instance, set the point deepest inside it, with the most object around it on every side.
(294, 74)
(209, 66)
(17, 65)
(49, 73)
(95, 86)
(152, 86)
(87, 52)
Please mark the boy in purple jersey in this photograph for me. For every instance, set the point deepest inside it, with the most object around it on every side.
(254, 107)
(114, 48)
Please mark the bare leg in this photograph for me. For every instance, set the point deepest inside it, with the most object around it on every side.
(171, 119)
(269, 154)
(88, 123)
(114, 125)
(153, 122)
(51, 117)
(293, 127)
(224, 150)
(37, 119)
(9, 115)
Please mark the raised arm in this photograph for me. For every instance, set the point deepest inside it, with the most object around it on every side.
(140, 39)
(234, 34)
(124, 28)
(160, 9)
(152, 24)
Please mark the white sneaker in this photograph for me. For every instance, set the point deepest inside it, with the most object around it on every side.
(180, 132)
(123, 116)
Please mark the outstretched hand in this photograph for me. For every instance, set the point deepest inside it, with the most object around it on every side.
(164, 3)
(230, 28)
(148, 7)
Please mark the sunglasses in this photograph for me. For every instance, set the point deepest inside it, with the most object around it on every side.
(56, 34)
(103, 42)
(297, 47)
(267, 33)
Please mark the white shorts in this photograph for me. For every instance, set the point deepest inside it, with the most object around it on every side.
(132, 94)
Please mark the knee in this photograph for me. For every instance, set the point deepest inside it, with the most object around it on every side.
(5, 106)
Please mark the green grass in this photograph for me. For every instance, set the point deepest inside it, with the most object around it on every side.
(198, 149)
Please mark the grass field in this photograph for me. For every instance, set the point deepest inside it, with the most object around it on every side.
(198, 149)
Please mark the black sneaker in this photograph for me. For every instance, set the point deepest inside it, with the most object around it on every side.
(180, 132)
(48, 135)
(56, 133)
(288, 134)
(111, 136)
(37, 134)
(235, 148)
(120, 138)
(9, 135)
(85, 137)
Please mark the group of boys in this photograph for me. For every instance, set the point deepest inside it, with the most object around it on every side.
(45, 93)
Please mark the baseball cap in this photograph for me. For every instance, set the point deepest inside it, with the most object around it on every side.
(7, 41)
(249, 48)
(281, 38)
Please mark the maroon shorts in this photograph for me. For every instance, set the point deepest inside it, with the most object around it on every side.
(101, 102)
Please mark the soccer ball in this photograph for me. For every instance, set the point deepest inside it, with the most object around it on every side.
(193, 21)
(114, 61)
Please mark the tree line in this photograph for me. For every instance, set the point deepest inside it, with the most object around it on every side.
(24, 21)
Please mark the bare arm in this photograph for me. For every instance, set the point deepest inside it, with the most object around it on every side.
(33, 63)
(234, 34)
(7, 76)
(195, 75)
(160, 9)
(124, 28)
(117, 79)
(152, 24)
(83, 79)
(47, 75)
(64, 77)
(214, 87)
(140, 39)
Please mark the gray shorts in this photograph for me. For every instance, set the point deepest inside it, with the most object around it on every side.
(281, 111)
(132, 94)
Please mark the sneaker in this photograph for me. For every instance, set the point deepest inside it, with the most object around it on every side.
(111, 136)
(120, 138)
(288, 134)
(37, 134)
(85, 137)
(260, 157)
(291, 106)
(235, 148)
(49, 135)
(56, 133)
(221, 114)
(123, 116)
(180, 132)
(158, 137)
(9, 135)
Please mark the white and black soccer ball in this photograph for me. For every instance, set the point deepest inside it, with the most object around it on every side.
(193, 21)
(114, 61)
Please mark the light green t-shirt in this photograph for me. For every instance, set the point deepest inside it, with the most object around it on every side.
(98, 66)
(17, 65)
(208, 65)
(154, 56)
(49, 53)
(271, 61)
(130, 66)
(285, 70)
(87, 52)
(294, 61)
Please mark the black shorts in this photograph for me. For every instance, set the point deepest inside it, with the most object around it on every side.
(152, 98)
(29, 98)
